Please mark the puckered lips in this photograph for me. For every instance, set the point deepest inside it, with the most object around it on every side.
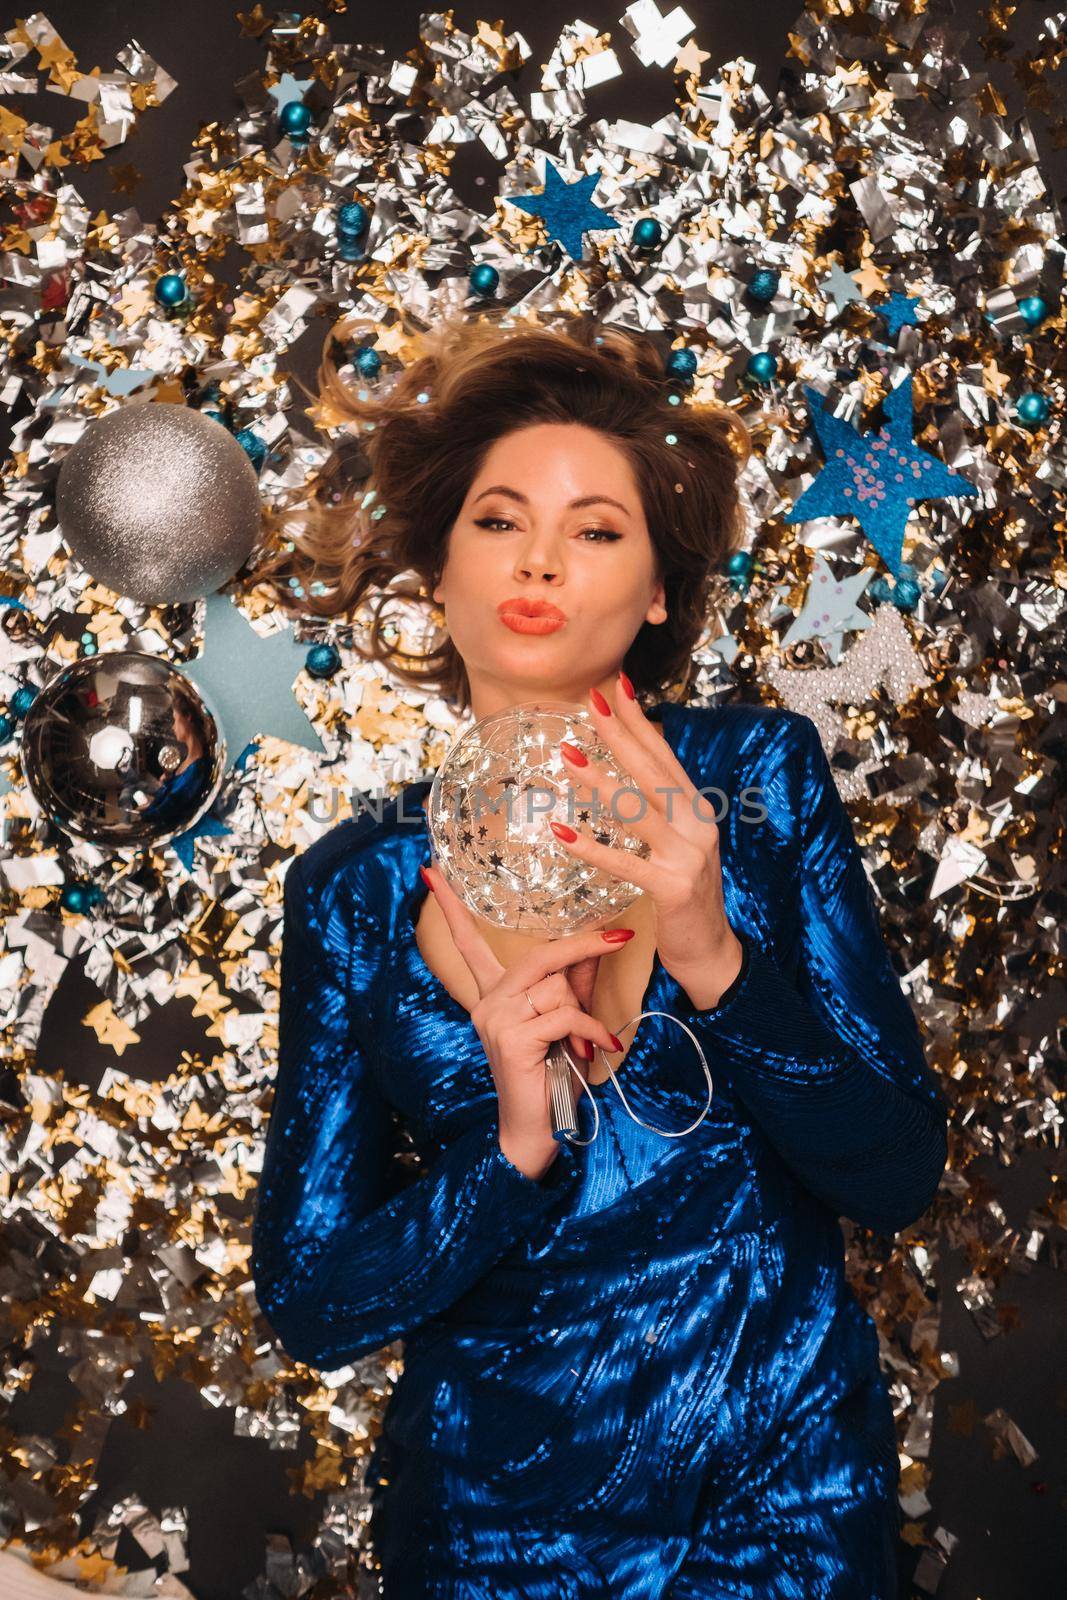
(523, 615)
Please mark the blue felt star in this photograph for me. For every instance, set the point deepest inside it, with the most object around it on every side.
(247, 680)
(289, 88)
(876, 478)
(207, 826)
(831, 607)
(840, 287)
(565, 209)
(897, 312)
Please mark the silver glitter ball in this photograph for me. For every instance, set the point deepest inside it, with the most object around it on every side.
(121, 749)
(159, 502)
(488, 811)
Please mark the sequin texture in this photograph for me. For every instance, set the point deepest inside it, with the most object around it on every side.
(644, 1375)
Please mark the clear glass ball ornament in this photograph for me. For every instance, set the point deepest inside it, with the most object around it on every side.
(488, 811)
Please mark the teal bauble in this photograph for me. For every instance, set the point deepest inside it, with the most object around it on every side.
(7, 727)
(681, 363)
(368, 362)
(1033, 409)
(906, 594)
(352, 218)
(1033, 310)
(171, 290)
(648, 233)
(739, 566)
(323, 660)
(349, 248)
(253, 447)
(761, 366)
(294, 119)
(484, 279)
(74, 897)
(22, 699)
(764, 285)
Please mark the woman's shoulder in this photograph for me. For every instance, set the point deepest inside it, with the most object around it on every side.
(745, 733)
(358, 857)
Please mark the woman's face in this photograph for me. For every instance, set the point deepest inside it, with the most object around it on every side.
(554, 515)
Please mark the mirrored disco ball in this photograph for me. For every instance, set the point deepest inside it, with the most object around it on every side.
(120, 748)
(488, 812)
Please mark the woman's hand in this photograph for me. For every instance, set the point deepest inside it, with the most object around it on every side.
(515, 1039)
(682, 875)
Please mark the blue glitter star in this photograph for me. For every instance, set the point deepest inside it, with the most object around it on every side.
(565, 209)
(876, 478)
(206, 826)
(897, 312)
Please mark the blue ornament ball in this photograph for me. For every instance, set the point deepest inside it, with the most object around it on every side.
(764, 285)
(352, 218)
(349, 248)
(1033, 409)
(484, 278)
(906, 594)
(648, 233)
(7, 727)
(323, 660)
(23, 699)
(171, 290)
(294, 119)
(74, 897)
(879, 589)
(253, 447)
(368, 362)
(739, 565)
(761, 366)
(1033, 310)
(681, 363)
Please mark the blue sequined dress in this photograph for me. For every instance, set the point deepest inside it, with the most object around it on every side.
(644, 1375)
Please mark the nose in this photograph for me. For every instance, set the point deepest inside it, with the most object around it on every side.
(539, 562)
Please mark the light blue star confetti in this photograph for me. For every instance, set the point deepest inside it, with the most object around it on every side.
(207, 826)
(289, 88)
(120, 381)
(248, 680)
(831, 608)
(897, 312)
(876, 478)
(565, 209)
(840, 287)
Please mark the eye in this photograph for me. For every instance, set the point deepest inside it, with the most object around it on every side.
(601, 533)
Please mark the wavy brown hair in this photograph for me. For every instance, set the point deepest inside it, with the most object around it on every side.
(374, 524)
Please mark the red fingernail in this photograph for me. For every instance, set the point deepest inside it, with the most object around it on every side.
(599, 702)
(615, 1043)
(587, 1049)
(617, 935)
(426, 879)
(572, 752)
(561, 830)
(627, 686)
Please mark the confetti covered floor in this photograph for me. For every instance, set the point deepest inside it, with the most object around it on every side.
(898, 187)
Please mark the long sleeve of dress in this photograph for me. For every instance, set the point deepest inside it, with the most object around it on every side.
(342, 1263)
(830, 1064)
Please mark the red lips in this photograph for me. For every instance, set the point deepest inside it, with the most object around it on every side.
(523, 607)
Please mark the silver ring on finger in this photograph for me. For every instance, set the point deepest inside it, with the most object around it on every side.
(533, 1008)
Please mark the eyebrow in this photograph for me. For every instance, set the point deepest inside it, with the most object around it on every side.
(583, 500)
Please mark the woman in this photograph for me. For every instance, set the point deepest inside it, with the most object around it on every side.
(632, 1367)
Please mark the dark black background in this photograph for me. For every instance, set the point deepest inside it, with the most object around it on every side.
(1011, 1523)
